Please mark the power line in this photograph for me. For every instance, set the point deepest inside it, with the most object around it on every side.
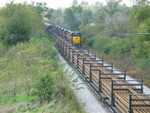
(122, 34)
(26, 36)
(22, 36)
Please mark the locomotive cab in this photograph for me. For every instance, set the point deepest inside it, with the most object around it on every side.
(76, 38)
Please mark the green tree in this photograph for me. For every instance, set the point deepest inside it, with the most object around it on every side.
(87, 14)
(49, 13)
(140, 2)
(77, 14)
(44, 87)
(112, 7)
(40, 7)
(18, 21)
(57, 17)
(70, 19)
(99, 15)
(140, 18)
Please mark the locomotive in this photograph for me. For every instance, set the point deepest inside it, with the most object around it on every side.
(74, 37)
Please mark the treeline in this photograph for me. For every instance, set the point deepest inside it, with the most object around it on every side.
(102, 25)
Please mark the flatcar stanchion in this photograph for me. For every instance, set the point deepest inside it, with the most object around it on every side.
(83, 66)
(130, 103)
(72, 56)
(77, 60)
(112, 95)
(90, 72)
(99, 82)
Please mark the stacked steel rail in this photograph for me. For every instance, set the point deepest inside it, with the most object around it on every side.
(121, 95)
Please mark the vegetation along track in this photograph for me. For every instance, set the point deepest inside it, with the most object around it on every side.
(121, 95)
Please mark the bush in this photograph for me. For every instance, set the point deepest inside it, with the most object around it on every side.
(44, 87)
(106, 48)
(143, 63)
(119, 46)
(122, 46)
(100, 42)
(141, 54)
(141, 50)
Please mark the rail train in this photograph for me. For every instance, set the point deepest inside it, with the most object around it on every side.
(74, 37)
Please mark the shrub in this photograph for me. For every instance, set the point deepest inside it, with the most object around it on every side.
(141, 54)
(106, 48)
(100, 42)
(143, 63)
(122, 46)
(44, 87)
(141, 50)
(119, 46)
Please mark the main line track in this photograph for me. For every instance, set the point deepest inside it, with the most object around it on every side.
(119, 94)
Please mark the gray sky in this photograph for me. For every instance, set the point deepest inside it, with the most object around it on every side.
(60, 3)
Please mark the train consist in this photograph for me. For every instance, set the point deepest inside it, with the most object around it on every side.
(74, 37)
(118, 93)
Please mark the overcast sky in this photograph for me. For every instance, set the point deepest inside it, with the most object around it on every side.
(60, 3)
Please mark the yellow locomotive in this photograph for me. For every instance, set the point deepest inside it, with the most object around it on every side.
(76, 38)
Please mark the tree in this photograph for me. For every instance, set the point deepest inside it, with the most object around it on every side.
(77, 14)
(17, 23)
(87, 16)
(70, 19)
(140, 2)
(40, 7)
(44, 87)
(112, 7)
(99, 15)
(49, 13)
(57, 17)
(140, 16)
(113, 17)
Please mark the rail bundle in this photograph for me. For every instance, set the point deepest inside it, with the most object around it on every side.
(121, 95)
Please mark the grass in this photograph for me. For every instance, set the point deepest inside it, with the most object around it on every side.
(21, 66)
(9, 100)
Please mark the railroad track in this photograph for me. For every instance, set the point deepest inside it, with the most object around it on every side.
(121, 95)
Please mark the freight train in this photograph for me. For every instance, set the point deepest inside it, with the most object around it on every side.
(118, 93)
(74, 37)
